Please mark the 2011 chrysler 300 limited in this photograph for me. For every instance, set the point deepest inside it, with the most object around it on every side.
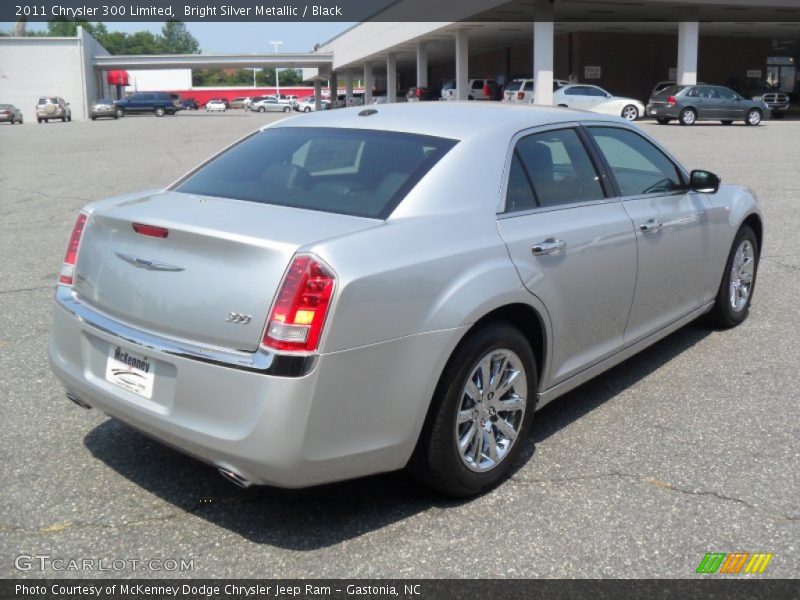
(355, 291)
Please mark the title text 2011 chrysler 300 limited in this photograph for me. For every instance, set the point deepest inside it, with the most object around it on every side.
(348, 293)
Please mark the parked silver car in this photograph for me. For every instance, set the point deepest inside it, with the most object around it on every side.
(270, 105)
(309, 305)
(52, 107)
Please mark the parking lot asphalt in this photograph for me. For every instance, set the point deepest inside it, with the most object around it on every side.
(691, 447)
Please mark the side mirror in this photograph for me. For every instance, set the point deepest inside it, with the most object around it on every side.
(704, 181)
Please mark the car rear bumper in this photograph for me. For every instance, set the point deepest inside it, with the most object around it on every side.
(662, 111)
(356, 413)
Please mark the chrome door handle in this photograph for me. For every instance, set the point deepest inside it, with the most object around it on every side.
(651, 225)
(549, 246)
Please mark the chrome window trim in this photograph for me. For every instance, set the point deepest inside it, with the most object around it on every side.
(260, 361)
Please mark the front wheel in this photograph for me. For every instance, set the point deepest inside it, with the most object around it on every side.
(753, 117)
(307, 109)
(630, 113)
(286, 109)
(688, 116)
(159, 110)
(480, 414)
(738, 282)
(261, 109)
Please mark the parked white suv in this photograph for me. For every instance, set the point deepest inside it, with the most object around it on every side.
(476, 87)
(521, 90)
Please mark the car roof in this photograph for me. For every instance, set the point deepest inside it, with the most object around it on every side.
(456, 120)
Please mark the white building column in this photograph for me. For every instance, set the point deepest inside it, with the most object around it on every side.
(367, 83)
(688, 40)
(391, 78)
(462, 64)
(422, 64)
(317, 93)
(348, 87)
(543, 42)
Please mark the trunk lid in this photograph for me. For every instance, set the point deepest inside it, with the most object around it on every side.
(220, 257)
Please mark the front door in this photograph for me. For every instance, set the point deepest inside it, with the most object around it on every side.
(574, 248)
(674, 237)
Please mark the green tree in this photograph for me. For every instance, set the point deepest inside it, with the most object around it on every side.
(176, 39)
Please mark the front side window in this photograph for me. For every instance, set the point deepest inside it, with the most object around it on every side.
(638, 166)
(557, 168)
(357, 172)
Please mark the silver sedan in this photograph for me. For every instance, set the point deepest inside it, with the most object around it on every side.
(270, 105)
(357, 291)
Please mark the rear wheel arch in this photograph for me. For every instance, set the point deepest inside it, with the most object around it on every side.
(528, 320)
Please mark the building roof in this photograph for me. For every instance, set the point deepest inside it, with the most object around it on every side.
(456, 120)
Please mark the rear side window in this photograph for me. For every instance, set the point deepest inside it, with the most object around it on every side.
(670, 91)
(639, 167)
(558, 170)
(358, 172)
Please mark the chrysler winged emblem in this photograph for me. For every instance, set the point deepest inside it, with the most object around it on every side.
(151, 265)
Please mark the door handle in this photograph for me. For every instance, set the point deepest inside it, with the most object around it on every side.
(549, 246)
(651, 225)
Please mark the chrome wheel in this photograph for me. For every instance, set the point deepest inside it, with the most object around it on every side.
(688, 117)
(742, 272)
(491, 410)
(630, 113)
(754, 117)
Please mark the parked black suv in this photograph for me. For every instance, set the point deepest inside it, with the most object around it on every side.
(159, 103)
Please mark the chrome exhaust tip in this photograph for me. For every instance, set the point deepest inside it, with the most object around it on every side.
(234, 477)
(72, 397)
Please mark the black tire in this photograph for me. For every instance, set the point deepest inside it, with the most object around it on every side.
(69, 118)
(286, 109)
(753, 117)
(39, 121)
(727, 122)
(94, 118)
(723, 314)
(63, 119)
(688, 116)
(662, 121)
(261, 109)
(159, 111)
(116, 116)
(307, 109)
(436, 461)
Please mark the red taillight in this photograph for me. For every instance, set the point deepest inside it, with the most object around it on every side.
(520, 95)
(68, 268)
(419, 92)
(672, 100)
(486, 91)
(151, 230)
(298, 314)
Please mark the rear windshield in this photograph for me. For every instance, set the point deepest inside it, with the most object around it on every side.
(358, 172)
(514, 85)
(670, 91)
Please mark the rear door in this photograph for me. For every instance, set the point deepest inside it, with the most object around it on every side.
(673, 231)
(573, 246)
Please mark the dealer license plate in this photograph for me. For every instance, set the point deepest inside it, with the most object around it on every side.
(131, 371)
